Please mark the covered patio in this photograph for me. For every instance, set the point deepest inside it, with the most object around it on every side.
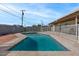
(69, 24)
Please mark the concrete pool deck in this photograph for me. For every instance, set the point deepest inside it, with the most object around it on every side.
(8, 44)
(66, 41)
(6, 38)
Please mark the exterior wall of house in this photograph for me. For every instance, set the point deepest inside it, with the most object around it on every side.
(68, 27)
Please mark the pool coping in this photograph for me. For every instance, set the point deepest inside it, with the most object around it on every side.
(42, 53)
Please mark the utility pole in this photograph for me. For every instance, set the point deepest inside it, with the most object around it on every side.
(22, 19)
(22, 11)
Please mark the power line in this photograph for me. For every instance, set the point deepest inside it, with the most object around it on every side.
(12, 10)
(9, 8)
(14, 14)
(5, 18)
(9, 12)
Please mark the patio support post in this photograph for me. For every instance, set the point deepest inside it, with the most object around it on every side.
(76, 23)
(53, 28)
(60, 27)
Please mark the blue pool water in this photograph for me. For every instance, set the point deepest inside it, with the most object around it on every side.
(38, 42)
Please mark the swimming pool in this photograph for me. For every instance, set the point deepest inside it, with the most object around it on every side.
(38, 42)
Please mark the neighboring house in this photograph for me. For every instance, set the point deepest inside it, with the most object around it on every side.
(37, 28)
(45, 28)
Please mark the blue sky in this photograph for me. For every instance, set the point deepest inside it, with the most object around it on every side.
(34, 13)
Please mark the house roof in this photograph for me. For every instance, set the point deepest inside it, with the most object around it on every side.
(66, 17)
